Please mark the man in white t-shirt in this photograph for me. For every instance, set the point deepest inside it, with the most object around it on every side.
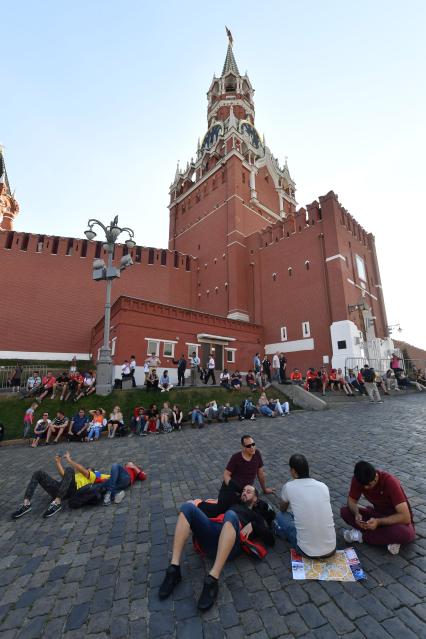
(210, 370)
(309, 528)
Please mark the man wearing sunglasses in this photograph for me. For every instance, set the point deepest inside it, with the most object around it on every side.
(241, 470)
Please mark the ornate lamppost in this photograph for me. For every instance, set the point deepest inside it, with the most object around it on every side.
(108, 272)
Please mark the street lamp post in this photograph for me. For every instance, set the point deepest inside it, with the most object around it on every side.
(108, 272)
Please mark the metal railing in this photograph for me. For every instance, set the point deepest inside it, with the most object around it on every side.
(381, 365)
(6, 373)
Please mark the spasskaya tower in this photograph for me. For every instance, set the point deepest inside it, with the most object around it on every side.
(234, 188)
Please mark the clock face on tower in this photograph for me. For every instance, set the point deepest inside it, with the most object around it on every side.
(248, 129)
(211, 136)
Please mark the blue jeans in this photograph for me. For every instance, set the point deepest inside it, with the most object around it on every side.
(119, 480)
(196, 417)
(207, 532)
(285, 529)
(265, 410)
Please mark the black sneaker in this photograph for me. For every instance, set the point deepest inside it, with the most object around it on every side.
(52, 510)
(21, 511)
(209, 593)
(172, 578)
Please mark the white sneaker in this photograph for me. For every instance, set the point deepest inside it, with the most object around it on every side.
(352, 535)
(119, 497)
(107, 499)
(394, 548)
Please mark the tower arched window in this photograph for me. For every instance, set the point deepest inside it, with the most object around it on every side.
(290, 271)
(307, 265)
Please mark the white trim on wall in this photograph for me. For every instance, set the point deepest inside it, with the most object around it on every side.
(291, 347)
(24, 355)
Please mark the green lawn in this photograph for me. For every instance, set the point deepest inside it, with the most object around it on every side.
(12, 409)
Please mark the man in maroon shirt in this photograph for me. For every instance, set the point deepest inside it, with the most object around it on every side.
(389, 522)
(241, 470)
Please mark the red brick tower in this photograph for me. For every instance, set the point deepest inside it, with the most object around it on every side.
(9, 207)
(234, 188)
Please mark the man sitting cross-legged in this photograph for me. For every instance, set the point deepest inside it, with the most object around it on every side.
(219, 540)
(389, 522)
(309, 528)
(74, 477)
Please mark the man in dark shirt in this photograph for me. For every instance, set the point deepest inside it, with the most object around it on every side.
(241, 470)
(389, 522)
(78, 427)
(219, 540)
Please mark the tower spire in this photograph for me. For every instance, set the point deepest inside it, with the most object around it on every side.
(3, 174)
(230, 62)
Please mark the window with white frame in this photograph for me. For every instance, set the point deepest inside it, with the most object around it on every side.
(283, 331)
(230, 355)
(360, 267)
(153, 347)
(113, 346)
(169, 349)
(306, 329)
(192, 348)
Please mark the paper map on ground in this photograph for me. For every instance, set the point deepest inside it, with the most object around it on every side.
(344, 565)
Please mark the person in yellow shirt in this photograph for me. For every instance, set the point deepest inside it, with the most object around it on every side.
(73, 477)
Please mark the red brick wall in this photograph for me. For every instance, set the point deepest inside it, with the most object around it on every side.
(50, 302)
(135, 320)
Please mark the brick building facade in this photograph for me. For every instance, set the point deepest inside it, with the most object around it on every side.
(241, 258)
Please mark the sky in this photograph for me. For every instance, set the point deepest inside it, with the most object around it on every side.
(100, 100)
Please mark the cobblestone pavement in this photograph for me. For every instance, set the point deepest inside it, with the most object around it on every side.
(95, 572)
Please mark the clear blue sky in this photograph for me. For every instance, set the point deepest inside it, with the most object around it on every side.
(100, 99)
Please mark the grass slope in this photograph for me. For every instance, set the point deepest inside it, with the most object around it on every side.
(12, 408)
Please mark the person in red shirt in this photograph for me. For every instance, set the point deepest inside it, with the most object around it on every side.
(389, 521)
(296, 377)
(311, 380)
(48, 383)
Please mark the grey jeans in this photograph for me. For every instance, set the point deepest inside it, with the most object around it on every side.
(372, 391)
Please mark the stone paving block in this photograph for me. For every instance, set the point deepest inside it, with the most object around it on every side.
(119, 627)
(237, 632)
(297, 594)
(161, 623)
(213, 630)
(228, 615)
(295, 624)
(397, 629)
(375, 608)
(189, 629)
(350, 606)
(311, 615)
(405, 596)
(78, 616)
(186, 608)
(412, 621)
(271, 583)
(33, 629)
(282, 602)
(99, 622)
(372, 628)
(251, 622)
(336, 618)
(54, 627)
(274, 623)
(317, 594)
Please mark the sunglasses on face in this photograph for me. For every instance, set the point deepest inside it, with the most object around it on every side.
(252, 445)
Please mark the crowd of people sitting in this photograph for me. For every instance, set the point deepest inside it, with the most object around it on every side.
(70, 385)
(88, 426)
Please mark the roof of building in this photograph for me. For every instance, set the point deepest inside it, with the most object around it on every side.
(230, 62)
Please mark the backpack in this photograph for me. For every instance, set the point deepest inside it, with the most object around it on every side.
(368, 374)
(90, 495)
